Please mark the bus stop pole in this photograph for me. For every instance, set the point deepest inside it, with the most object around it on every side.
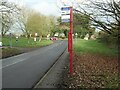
(71, 40)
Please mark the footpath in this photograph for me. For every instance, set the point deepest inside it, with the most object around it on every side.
(53, 78)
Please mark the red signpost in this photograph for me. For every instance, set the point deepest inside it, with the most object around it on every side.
(66, 18)
(70, 42)
(70, 51)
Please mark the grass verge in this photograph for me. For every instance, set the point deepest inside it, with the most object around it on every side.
(21, 46)
(94, 47)
(8, 52)
(24, 42)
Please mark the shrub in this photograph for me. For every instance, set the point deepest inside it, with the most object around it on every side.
(108, 39)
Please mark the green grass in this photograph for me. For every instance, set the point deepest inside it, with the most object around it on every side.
(93, 46)
(23, 42)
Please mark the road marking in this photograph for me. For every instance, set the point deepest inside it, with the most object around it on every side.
(12, 63)
(25, 58)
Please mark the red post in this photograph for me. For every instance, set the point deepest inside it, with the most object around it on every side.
(71, 38)
(68, 42)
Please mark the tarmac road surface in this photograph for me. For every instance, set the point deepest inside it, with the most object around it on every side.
(25, 70)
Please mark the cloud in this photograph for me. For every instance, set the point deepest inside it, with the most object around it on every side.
(46, 8)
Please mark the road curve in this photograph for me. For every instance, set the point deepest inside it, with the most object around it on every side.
(23, 71)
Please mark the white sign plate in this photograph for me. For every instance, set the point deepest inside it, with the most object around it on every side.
(65, 12)
(65, 20)
(65, 17)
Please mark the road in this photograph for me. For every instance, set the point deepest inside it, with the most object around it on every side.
(23, 71)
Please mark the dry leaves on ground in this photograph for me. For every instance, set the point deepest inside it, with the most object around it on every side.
(93, 71)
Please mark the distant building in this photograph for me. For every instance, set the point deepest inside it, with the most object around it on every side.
(86, 37)
(93, 37)
(56, 34)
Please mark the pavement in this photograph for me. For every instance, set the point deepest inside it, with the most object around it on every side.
(52, 79)
(25, 70)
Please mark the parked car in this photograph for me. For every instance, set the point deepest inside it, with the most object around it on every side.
(53, 38)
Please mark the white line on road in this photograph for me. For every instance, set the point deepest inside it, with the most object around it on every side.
(25, 59)
(12, 63)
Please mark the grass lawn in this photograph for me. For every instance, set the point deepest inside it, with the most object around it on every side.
(24, 42)
(21, 46)
(93, 46)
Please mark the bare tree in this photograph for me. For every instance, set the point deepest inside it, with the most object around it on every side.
(22, 20)
(9, 13)
(105, 15)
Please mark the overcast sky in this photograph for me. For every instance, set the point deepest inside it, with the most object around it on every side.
(46, 7)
